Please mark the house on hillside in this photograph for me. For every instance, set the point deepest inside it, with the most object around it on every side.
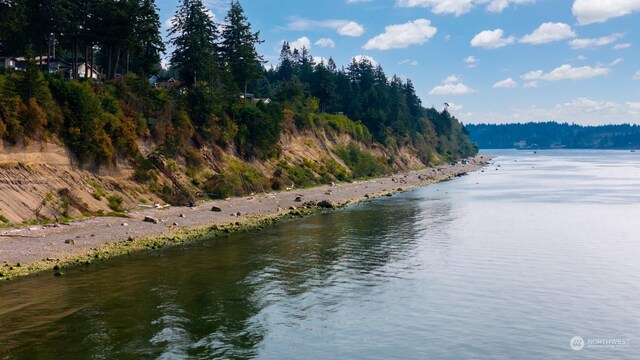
(253, 98)
(91, 72)
(8, 63)
(153, 79)
(47, 64)
(165, 82)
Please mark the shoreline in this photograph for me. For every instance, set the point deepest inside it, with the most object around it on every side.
(36, 249)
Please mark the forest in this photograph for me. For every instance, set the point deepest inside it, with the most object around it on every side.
(553, 135)
(224, 97)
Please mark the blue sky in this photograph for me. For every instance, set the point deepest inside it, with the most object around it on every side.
(494, 61)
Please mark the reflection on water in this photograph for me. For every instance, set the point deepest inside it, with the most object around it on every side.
(506, 263)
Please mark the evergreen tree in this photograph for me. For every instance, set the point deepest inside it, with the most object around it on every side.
(146, 41)
(13, 20)
(239, 47)
(195, 39)
(323, 87)
(286, 66)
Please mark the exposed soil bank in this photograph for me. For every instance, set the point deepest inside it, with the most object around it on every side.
(39, 248)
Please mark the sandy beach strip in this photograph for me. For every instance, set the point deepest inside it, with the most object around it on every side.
(38, 248)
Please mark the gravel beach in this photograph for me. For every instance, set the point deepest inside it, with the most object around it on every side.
(62, 242)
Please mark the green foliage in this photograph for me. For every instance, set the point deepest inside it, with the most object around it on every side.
(239, 47)
(98, 192)
(194, 36)
(10, 125)
(145, 172)
(4, 219)
(308, 173)
(33, 118)
(388, 108)
(300, 175)
(115, 203)
(362, 163)
(258, 129)
(31, 83)
(343, 125)
(238, 179)
(177, 133)
(201, 101)
(193, 158)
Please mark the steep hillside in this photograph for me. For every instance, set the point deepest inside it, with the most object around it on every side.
(40, 182)
(80, 148)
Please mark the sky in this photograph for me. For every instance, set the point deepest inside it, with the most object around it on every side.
(492, 61)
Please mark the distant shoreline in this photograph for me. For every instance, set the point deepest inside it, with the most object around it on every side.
(52, 248)
(553, 135)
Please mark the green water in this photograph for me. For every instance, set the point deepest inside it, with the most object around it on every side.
(503, 264)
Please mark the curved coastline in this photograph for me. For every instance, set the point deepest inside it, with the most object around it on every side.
(40, 249)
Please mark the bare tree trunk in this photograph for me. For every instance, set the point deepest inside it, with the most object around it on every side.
(86, 62)
(109, 70)
(117, 61)
(92, 61)
(128, 53)
(74, 61)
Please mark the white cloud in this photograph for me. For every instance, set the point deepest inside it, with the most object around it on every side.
(593, 42)
(499, 5)
(450, 79)
(491, 39)
(459, 7)
(622, 46)
(362, 58)
(325, 42)
(320, 59)
(595, 11)
(403, 35)
(586, 105)
(451, 86)
(342, 27)
(506, 83)
(408, 62)
(471, 61)
(455, 107)
(530, 84)
(582, 110)
(352, 29)
(634, 107)
(300, 43)
(357, 1)
(616, 61)
(567, 72)
(636, 76)
(168, 23)
(548, 32)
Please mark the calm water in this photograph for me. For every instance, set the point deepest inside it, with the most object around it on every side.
(509, 263)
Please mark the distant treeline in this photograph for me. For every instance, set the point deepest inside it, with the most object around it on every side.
(552, 135)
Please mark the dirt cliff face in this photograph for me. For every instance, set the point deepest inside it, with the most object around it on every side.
(41, 182)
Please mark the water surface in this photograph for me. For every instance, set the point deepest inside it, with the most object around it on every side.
(507, 263)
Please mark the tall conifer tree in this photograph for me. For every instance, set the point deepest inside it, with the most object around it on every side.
(195, 39)
(239, 47)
